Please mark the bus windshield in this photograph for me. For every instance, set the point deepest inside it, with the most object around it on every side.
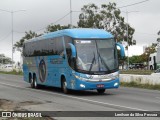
(96, 56)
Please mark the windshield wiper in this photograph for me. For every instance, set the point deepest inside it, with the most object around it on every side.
(92, 63)
(103, 61)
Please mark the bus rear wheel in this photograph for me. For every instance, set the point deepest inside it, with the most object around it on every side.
(64, 86)
(35, 82)
(31, 81)
(100, 91)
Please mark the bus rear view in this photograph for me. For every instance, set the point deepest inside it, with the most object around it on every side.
(88, 61)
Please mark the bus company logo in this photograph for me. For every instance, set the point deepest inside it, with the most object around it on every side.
(89, 76)
(42, 70)
(103, 76)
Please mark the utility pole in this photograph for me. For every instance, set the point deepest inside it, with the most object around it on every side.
(127, 42)
(70, 13)
(12, 35)
(127, 12)
(127, 23)
(12, 12)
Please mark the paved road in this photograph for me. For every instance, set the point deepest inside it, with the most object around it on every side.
(12, 87)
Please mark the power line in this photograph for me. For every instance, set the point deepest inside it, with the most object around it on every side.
(5, 10)
(3, 38)
(146, 33)
(133, 4)
(18, 31)
(80, 11)
(122, 1)
(61, 18)
(51, 23)
(55, 21)
(76, 11)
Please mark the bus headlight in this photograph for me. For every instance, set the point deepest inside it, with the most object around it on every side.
(115, 76)
(81, 78)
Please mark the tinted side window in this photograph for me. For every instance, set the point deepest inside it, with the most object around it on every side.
(44, 47)
(27, 50)
(59, 45)
(24, 50)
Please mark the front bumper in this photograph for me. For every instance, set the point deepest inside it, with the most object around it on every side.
(84, 85)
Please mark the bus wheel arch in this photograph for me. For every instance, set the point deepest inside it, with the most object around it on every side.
(64, 85)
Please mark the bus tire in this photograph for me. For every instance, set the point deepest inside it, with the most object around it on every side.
(64, 86)
(100, 91)
(31, 81)
(36, 86)
(151, 67)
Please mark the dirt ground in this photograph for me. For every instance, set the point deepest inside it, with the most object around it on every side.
(7, 105)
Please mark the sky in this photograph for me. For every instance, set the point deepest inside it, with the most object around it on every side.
(35, 15)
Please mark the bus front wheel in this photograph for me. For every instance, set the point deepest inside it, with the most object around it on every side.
(100, 91)
(151, 67)
(64, 86)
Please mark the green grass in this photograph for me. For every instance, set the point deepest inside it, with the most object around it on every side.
(137, 72)
(138, 85)
(13, 72)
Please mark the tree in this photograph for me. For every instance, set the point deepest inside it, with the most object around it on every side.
(28, 35)
(106, 17)
(158, 39)
(4, 59)
(144, 57)
(52, 28)
(136, 59)
(149, 50)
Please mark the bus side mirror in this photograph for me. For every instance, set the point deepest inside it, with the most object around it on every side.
(73, 49)
(122, 52)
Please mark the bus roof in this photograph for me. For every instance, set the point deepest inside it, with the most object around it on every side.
(80, 33)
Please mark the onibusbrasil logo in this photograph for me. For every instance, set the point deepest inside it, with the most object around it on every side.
(42, 70)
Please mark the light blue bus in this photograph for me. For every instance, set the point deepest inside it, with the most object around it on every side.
(72, 59)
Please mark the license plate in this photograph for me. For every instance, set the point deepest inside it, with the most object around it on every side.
(100, 85)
